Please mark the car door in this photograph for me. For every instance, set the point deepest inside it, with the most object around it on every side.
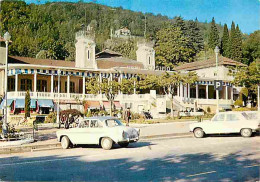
(95, 131)
(233, 123)
(80, 134)
(217, 124)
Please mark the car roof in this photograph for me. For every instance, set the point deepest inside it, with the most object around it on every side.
(101, 118)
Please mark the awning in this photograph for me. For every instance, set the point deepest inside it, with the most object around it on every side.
(106, 104)
(45, 103)
(117, 105)
(92, 105)
(20, 103)
(9, 102)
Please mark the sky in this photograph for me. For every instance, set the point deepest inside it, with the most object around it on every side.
(245, 13)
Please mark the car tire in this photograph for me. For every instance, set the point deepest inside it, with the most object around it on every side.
(65, 142)
(106, 143)
(198, 133)
(246, 132)
(125, 144)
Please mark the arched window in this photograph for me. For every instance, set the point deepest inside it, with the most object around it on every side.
(88, 54)
(149, 60)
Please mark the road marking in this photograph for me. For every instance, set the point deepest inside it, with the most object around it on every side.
(202, 173)
(252, 166)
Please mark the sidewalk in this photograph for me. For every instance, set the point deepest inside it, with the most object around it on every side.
(46, 136)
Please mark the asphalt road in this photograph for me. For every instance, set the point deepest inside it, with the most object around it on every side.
(228, 158)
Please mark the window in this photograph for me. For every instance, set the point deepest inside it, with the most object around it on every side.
(11, 84)
(88, 54)
(41, 85)
(72, 87)
(26, 84)
(232, 117)
(113, 122)
(56, 86)
(149, 60)
(95, 124)
(192, 92)
(219, 117)
(84, 124)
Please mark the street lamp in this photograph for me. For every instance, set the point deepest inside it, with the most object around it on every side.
(7, 38)
(216, 50)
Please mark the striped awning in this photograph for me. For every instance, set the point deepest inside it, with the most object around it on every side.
(9, 102)
(20, 103)
(92, 105)
(45, 103)
(117, 105)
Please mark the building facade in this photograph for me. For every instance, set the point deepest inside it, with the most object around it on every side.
(40, 77)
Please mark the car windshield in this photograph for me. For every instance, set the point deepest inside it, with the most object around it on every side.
(113, 123)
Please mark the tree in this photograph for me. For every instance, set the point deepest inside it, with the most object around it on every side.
(238, 53)
(196, 38)
(170, 81)
(27, 104)
(108, 87)
(172, 47)
(225, 41)
(251, 48)
(213, 35)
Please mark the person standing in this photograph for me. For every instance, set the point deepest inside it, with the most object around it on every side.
(128, 116)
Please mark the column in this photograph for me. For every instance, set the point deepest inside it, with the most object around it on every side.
(188, 90)
(35, 82)
(16, 82)
(207, 91)
(84, 85)
(181, 90)
(178, 90)
(226, 92)
(68, 85)
(52, 84)
(197, 91)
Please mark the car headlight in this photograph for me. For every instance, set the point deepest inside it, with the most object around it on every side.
(124, 134)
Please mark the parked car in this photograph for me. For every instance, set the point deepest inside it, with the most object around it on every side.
(104, 131)
(226, 122)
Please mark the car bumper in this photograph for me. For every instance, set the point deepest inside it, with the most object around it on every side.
(130, 140)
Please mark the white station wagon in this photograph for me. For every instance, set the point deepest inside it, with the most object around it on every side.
(227, 122)
(104, 131)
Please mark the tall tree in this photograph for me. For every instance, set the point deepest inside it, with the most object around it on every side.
(195, 35)
(213, 35)
(225, 41)
(232, 41)
(172, 47)
(238, 53)
(27, 110)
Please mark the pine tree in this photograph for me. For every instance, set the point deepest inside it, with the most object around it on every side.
(213, 35)
(232, 42)
(27, 105)
(179, 22)
(225, 41)
(195, 35)
(238, 53)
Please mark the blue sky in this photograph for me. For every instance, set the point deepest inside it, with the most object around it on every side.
(245, 13)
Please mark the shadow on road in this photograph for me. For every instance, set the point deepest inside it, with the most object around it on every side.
(186, 167)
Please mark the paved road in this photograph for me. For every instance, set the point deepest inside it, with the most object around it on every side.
(230, 158)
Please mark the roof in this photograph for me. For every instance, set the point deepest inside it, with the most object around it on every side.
(2, 39)
(140, 71)
(107, 52)
(106, 63)
(208, 63)
(46, 62)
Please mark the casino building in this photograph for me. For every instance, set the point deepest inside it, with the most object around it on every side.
(40, 77)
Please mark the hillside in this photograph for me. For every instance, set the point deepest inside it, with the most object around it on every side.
(49, 29)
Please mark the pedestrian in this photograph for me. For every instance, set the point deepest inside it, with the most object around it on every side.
(128, 116)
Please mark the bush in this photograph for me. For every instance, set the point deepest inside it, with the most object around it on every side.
(208, 110)
(88, 114)
(103, 113)
(242, 109)
(51, 118)
(238, 103)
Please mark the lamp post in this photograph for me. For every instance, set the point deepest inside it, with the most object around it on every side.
(58, 103)
(7, 38)
(216, 50)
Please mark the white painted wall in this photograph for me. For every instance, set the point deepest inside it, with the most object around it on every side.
(210, 73)
(145, 53)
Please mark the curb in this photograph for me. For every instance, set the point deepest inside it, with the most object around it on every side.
(57, 145)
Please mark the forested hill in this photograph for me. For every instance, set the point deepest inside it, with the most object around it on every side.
(50, 28)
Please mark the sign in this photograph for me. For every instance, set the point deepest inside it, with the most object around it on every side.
(218, 84)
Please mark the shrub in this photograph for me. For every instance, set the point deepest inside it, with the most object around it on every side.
(88, 114)
(51, 118)
(103, 113)
(242, 109)
(208, 110)
(239, 103)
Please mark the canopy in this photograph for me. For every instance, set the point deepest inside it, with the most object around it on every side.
(92, 105)
(117, 105)
(45, 103)
(9, 102)
(106, 104)
(20, 103)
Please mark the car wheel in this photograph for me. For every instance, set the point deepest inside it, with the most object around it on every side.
(125, 144)
(246, 132)
(65, 142)
(106, 143)
(199, 133)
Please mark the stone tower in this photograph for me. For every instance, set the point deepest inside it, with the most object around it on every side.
(85, 51)
(146, 54)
